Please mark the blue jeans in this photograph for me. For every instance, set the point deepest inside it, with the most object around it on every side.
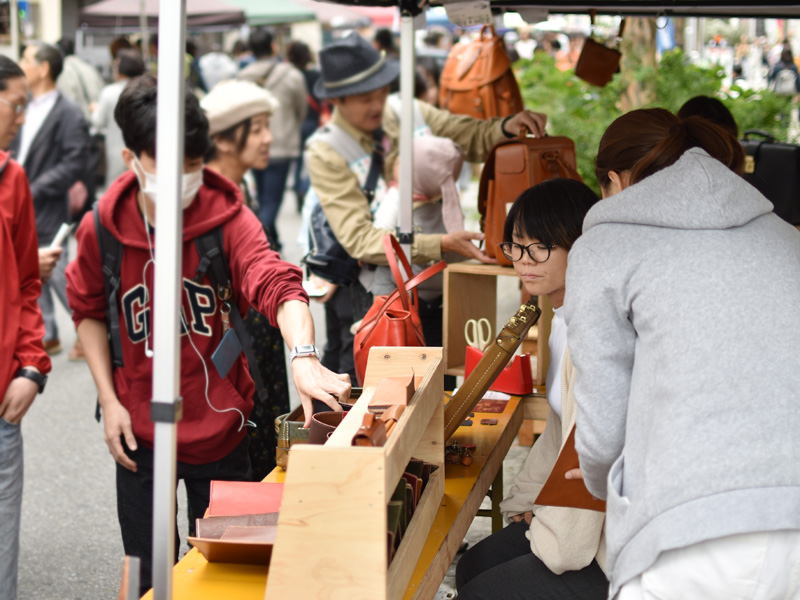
(10, 506)
(271, 185)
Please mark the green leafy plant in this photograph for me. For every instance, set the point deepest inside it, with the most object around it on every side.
(583, 112)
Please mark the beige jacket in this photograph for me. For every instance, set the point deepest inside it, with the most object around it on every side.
(565, 539)
(345, 205)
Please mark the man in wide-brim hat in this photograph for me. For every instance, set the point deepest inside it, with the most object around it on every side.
(355, 79)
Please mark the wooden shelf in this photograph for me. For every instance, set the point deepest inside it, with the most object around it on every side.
(332, 529)
(470, 292)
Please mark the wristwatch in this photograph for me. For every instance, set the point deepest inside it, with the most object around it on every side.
(307, 350)
(34, 376)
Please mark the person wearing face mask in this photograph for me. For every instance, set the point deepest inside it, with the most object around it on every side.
(212, 439)
(239, 114)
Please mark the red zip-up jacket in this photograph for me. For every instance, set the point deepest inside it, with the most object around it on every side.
(259, 278)
(21, 324)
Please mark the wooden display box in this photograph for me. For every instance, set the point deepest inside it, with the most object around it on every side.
(470, 292)
(332, 530)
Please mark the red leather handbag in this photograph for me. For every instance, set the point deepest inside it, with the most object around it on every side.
(393, 320)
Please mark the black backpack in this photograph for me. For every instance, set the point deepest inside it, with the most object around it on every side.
(212, 262)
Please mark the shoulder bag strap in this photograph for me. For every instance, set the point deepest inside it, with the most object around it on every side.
(111, 257)
(375, 166)
(213, 261)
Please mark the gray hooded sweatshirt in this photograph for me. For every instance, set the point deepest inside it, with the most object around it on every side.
(683, 309)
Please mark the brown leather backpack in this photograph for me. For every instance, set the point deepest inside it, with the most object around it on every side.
(477, 79)
(512, 167)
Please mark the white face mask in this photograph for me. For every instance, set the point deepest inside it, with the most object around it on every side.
(190, 184)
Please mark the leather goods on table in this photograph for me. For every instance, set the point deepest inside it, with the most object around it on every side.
(512, 167)
(404, 500)
(375, 429)
(515, 379)
(773, 169)
(323, 424)
(494, 359)
(571, 493)
(598, 63)
(231, 498)
(289, 428)
(240, 545)
(477, 79)
(393, 320)
(215, 527)
(394, 391)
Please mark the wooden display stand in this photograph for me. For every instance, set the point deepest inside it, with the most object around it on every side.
(332, 530)
(470, 292)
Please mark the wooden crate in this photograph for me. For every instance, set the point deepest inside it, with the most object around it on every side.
(470, 292)
(332, 530)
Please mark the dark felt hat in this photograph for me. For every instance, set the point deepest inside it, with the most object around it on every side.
(353, 66)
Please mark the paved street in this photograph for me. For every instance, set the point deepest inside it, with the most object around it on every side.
(71, 547)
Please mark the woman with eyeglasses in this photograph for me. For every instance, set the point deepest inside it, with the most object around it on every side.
(682, 305)
(545, 552)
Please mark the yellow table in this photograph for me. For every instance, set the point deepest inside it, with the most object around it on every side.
(465, 487)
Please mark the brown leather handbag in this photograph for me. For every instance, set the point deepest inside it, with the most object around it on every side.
(512, 167)
(477, 79)
(598, 63)
(393, 320)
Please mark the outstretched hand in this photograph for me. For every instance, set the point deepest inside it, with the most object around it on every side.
(535, 122)
(313, 381)
(460, 242)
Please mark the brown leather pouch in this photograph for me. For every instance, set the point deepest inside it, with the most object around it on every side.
(598, 63)
(371, 433)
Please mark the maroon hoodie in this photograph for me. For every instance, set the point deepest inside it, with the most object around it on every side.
(260, 278)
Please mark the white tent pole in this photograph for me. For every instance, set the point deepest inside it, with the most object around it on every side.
(166, 405)
(407, 61)
(144, 33)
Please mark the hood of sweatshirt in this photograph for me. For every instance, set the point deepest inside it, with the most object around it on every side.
(697, 192)
(217, 202)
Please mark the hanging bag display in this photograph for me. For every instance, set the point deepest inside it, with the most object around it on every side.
(477, 79)
(598, 63)
(773, 168)
(512, 167)
(393, 319)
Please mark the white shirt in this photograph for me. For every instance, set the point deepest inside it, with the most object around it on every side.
(558, 343)
(38, 109)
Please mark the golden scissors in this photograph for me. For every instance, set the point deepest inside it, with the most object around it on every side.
(478, 333)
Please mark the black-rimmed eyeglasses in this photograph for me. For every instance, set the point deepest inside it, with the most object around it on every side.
(538, 252)
(18, 108)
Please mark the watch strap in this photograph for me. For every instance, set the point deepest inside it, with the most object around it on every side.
(306, 350)
(38, 378)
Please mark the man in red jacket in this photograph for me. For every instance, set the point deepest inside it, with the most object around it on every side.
(23, 361)
(212, 442)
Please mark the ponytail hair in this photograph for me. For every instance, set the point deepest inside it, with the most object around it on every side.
(647, 140)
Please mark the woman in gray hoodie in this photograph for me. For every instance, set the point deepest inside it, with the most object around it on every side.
(682, 305)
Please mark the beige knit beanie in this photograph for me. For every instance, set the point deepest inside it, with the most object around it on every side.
(231, 102)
